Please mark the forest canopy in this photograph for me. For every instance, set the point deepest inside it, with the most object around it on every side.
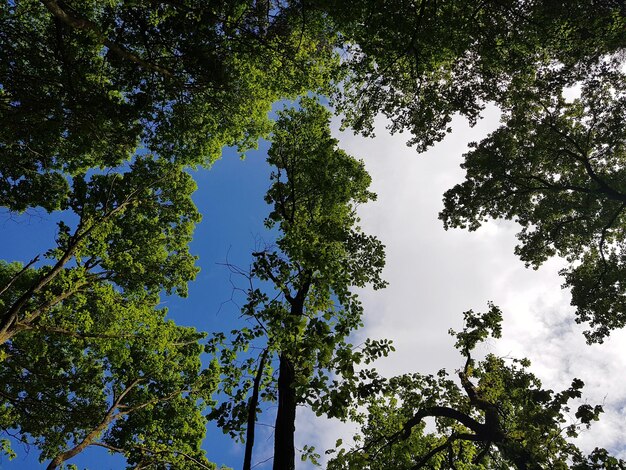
(108, 108)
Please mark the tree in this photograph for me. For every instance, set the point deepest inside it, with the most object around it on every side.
(87, 358)
(85, 84)
(306, 315)
(131, 384)
(131, 230)
(103, 106)
(499, 417)
(419, 63)
(556, 166)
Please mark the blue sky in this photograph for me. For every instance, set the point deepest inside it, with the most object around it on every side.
(434, 276)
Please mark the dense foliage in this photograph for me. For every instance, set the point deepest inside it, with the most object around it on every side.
(84, 84)
(303, 320)
(421, 62)
(87, 358)
(556, 166)
(106, 106)
(498, 417)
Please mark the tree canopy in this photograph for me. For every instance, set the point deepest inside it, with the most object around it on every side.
(556, 166)
(132, 383)
(84, 84)
(87, 356)
(304, 320)
(107, 107)
(419, 63)
(103, 109)
(499, 417)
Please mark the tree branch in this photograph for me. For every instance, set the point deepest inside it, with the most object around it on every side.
(268, 272)
(16, 276)
(10, 317)
(155, 452)
(446, 445)
(442, 412)
(109, 417)
(73, 334)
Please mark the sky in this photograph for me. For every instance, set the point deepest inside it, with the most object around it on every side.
(434, 275)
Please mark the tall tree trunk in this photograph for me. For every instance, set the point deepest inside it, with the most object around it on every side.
(252, 405)
(284, 449)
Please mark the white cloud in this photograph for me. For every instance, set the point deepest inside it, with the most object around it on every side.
(435, 275)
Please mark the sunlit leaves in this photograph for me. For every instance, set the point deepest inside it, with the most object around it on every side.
(85, 84)
(305, 316)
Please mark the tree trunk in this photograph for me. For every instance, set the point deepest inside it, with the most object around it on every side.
(252, 405)
(284, 449)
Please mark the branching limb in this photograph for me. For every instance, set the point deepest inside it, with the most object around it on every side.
(109, 417)
(154, 452)
(446, 445)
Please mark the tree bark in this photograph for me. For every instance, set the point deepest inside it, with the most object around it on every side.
(87, 441)
(284, 432)
(91, 437)
(284, 448)
(254, 401)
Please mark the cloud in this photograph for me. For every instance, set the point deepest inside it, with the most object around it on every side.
(435, 275)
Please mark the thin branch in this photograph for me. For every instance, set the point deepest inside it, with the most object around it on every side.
(17, 275)
(268, 272)
(605, 230)
(77, 334)
(17, 326)
(155, 452)
(444, 412)
(434, 451)
(446, 445)
(10, 317)
(483, 453)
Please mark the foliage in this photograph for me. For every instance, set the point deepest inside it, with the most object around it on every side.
(83, 84)
(556, 166)
(498, 417)
(421, 62)
(102, 105)
(105, 106)
(131, 383)
(87, 358)
(130, 229)
(307, 313)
